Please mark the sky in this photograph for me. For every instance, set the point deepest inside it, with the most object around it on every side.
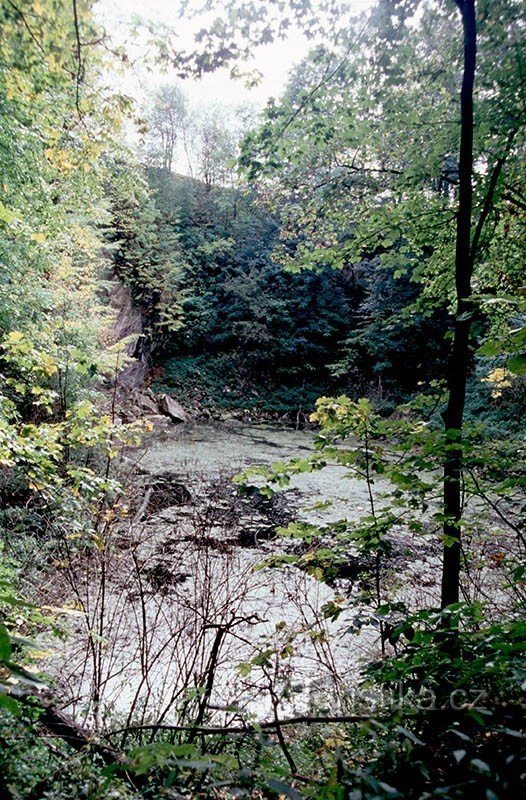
(273, 61)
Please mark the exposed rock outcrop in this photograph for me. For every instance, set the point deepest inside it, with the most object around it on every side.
(136, 404)
(169, 406)
(134, 398)
(128, 328)
(146, 401)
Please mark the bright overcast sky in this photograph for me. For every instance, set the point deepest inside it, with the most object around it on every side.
(273, 61)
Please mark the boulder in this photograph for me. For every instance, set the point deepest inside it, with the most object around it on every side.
(171, 408)
(147, 403)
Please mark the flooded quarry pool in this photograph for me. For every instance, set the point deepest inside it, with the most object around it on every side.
(179, 618)
(211, 451)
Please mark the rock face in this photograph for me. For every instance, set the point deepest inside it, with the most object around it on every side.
(128, 326)
(132, 379)
(171, 408)
(128, 322)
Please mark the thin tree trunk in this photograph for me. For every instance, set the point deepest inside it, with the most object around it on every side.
(458, 367)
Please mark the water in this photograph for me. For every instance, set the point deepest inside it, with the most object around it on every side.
(172, 603)
(217, 448)
(228, 448)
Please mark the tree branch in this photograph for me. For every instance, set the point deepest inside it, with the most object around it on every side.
(251, 728)
(80, 67)
(514, 201)
(488, 200)
(26, 24)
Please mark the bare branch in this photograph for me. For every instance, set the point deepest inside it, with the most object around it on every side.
(26, 24)
(80, 66)
(490, 194)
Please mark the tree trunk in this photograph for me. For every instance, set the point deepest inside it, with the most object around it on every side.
(458, 367)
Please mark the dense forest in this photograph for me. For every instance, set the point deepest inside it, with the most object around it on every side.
(287, 338)
(262, 402)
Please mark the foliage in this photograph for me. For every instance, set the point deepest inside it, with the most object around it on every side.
(34, 766)
(57, 441)
(346, 153)
(279, 334)
(205, 381)
(353, 180)
(148, 256)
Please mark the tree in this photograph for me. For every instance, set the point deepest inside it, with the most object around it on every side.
(243, 315)
(362, 154)
(168, 119)
(147, 253)
(362, 157)
(59, 124)
(215, 148)
(465, 254)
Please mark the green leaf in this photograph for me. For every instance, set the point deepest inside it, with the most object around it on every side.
(5, 644)
(517, 364)
(7, 216)
(283, 789)
(9, 703)
(408, 735)
(24, 676)
(480, 766)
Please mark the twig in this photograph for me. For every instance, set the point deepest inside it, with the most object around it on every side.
(80, 67)
(251, 728)
(496, 509)
(26, 25)
(488, 200)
